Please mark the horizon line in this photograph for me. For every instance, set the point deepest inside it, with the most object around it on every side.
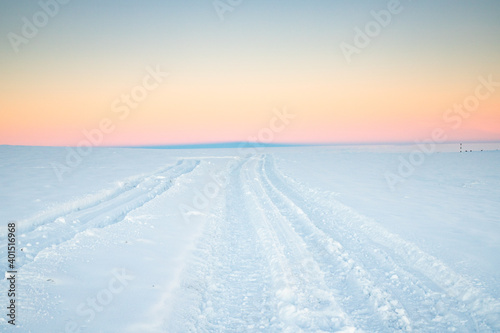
(250, 144)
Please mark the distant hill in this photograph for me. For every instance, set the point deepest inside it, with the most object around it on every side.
(241, 144)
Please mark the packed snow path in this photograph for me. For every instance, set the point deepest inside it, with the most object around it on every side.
(270, 255)
(282, 258)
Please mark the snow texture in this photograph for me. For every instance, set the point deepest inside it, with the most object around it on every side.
(276, 240)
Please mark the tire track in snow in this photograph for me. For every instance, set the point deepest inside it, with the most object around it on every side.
(225, 286)
(304, 301)
(373, 307)
(435, 287)
(246, 277)
(99, 213)
(87, 202)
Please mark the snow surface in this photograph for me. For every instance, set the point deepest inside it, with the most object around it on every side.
(298, 239)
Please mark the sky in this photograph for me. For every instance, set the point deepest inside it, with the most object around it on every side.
(199, 71)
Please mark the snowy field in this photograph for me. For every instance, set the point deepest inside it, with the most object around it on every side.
(225, 240)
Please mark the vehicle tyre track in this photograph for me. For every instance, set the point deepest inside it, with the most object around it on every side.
(305, 303)
(373, 306)
(100, 213)
(225, 287)
(427, 287)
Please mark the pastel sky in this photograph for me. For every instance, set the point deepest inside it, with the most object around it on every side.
(226, 76)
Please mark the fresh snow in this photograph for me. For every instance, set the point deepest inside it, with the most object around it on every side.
(285, 239)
